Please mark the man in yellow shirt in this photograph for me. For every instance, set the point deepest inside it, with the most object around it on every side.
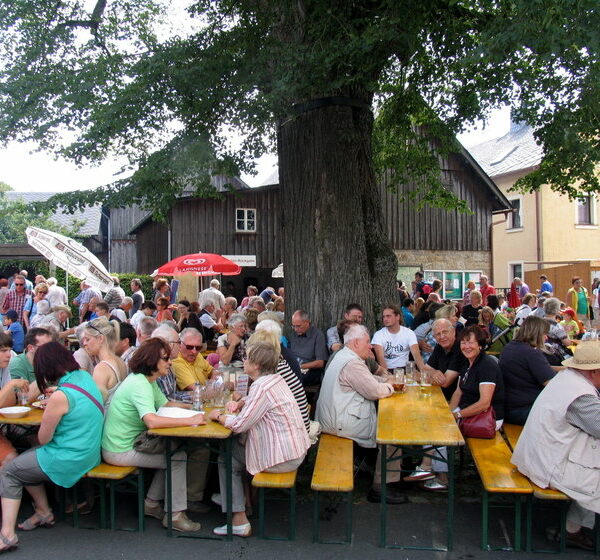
(190, 366)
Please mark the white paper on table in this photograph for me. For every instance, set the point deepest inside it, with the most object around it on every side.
(175, 412)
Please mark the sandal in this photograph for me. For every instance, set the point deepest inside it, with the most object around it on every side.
(37, 520)
(83, 508)
(9, 544)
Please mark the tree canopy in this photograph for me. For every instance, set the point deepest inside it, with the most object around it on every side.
(125, 79)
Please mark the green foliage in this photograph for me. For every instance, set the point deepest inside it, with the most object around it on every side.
(166, 98)
(16, 216)
(146, 280)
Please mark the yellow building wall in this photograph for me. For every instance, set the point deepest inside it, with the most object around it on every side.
(561, 238)
(513, 245)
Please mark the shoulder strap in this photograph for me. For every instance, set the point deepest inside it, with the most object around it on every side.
(84, 392)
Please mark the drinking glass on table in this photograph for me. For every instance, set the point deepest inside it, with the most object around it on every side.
(425, 383)
(410, 372)
(398, 380)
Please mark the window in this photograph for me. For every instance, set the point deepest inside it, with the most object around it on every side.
(585, 216)
(245, 219)
(516, 271)
(514, 218)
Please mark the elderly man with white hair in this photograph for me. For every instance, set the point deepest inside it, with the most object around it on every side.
(560, 444)
(346, 405)
(213, 294)
(56, 294)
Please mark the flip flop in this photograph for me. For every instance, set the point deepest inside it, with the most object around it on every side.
(9, 544)
(37, 520)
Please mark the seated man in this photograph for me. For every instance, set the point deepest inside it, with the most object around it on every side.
(307, 343)
(126, 346)
(560, 444)
(353, 312)
(12, 325)
(190, 367)
(346, 405)
(147, 310)
(210, 321)
(445, 364)
(145, 327)
(56, 322)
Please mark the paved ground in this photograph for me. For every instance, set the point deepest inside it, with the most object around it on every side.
(421, 521)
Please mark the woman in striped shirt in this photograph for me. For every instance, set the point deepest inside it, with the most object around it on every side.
(277, 439)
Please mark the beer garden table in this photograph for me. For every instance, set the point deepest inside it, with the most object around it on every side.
(210, 431)
(32, 418)
(412, 419)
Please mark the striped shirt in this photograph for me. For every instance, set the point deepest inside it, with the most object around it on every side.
(16, 301)
(271, 416)
(284, 369)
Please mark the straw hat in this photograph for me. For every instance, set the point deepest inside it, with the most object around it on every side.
(62, 308)
(586, 356)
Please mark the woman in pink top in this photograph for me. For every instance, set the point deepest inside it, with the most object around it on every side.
(277, 439)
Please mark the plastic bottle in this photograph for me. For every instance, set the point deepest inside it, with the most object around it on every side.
(197, 397)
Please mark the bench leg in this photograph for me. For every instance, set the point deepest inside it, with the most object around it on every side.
(529, 524)
(75, 500)
(349, 499)
(316, 515)
(102, 490)
(292, 528)
(596, 533)
(485, 510)
(518, 504)
(261, 513)
(140, 497)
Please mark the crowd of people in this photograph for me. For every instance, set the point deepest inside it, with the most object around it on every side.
(138, 356)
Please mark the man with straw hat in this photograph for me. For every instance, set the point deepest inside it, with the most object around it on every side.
(560, 444)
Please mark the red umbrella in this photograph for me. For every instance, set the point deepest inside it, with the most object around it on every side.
(199, 264)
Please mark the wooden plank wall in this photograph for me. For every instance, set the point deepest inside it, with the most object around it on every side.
(439, 229)
(210, 226)
(560, 277)
(152, 249)
(123, 246)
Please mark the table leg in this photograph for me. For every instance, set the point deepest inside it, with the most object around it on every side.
(228, 486)
(169, 489)
(383, 508)
(450, 520)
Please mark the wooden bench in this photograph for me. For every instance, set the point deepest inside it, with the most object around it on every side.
(512, 433)
(276, 481)
(333, 472)
(498, 476)
(113, 476)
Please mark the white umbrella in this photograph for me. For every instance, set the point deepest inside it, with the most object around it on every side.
(71, 256)
(278, 272)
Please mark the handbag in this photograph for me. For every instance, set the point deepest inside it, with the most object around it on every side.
(146, 443)
(482, 425)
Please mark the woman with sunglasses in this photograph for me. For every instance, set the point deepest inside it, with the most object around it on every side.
(164, 313)
(40, 293)
(133, 411)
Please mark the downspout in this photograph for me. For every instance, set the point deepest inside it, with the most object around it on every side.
(538, 226)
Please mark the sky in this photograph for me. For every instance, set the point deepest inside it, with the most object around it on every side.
(28, 170)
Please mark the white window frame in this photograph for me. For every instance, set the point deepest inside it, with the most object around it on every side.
(593, 213)
(509, 217)
(245, 220)
(510, 265)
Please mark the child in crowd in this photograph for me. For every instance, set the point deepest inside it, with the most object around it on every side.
(569, 324)
(12, 325)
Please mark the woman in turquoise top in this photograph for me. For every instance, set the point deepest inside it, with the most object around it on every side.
(70, 436)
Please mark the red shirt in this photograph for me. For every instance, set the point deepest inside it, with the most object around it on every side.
(486, 291)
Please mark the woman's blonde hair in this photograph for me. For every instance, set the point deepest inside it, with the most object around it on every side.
(487, 310)
(477, 294)
(446, 312)
(263, 354)
(101, 326)
(264, 335)
(533, 331)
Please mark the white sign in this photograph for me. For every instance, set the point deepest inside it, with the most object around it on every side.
(242, 260)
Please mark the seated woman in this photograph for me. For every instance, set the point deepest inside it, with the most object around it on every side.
(525, 369)
(229, 309)
(164, 313)
(132, 411)
(277, 438)
(99, 339)
(69, 435)
(231, 347)
(558, 341)
(526, 308)
(470, 312)
(270, 331)
(186, 317)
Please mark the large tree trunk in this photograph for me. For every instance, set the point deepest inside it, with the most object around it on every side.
(335, 248)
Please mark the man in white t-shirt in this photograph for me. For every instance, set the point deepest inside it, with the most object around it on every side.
(394, 343)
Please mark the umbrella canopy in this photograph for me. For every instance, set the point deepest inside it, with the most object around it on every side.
(278, 272)
(199, 264)
(71, 256)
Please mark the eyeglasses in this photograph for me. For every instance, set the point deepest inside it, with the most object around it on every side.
(19, 284)
(193, 347)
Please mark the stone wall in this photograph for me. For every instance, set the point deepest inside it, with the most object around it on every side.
(446, 260)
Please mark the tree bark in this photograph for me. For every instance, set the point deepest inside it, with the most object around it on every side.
(335, 248)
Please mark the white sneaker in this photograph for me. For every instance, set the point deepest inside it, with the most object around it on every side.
(420, 474)
(244, 530)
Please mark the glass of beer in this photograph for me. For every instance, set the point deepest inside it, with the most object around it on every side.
(398, 380)
(425, 383)
(410, 373)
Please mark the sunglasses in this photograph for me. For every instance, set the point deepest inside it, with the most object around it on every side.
(19, 284)
(193, 347)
